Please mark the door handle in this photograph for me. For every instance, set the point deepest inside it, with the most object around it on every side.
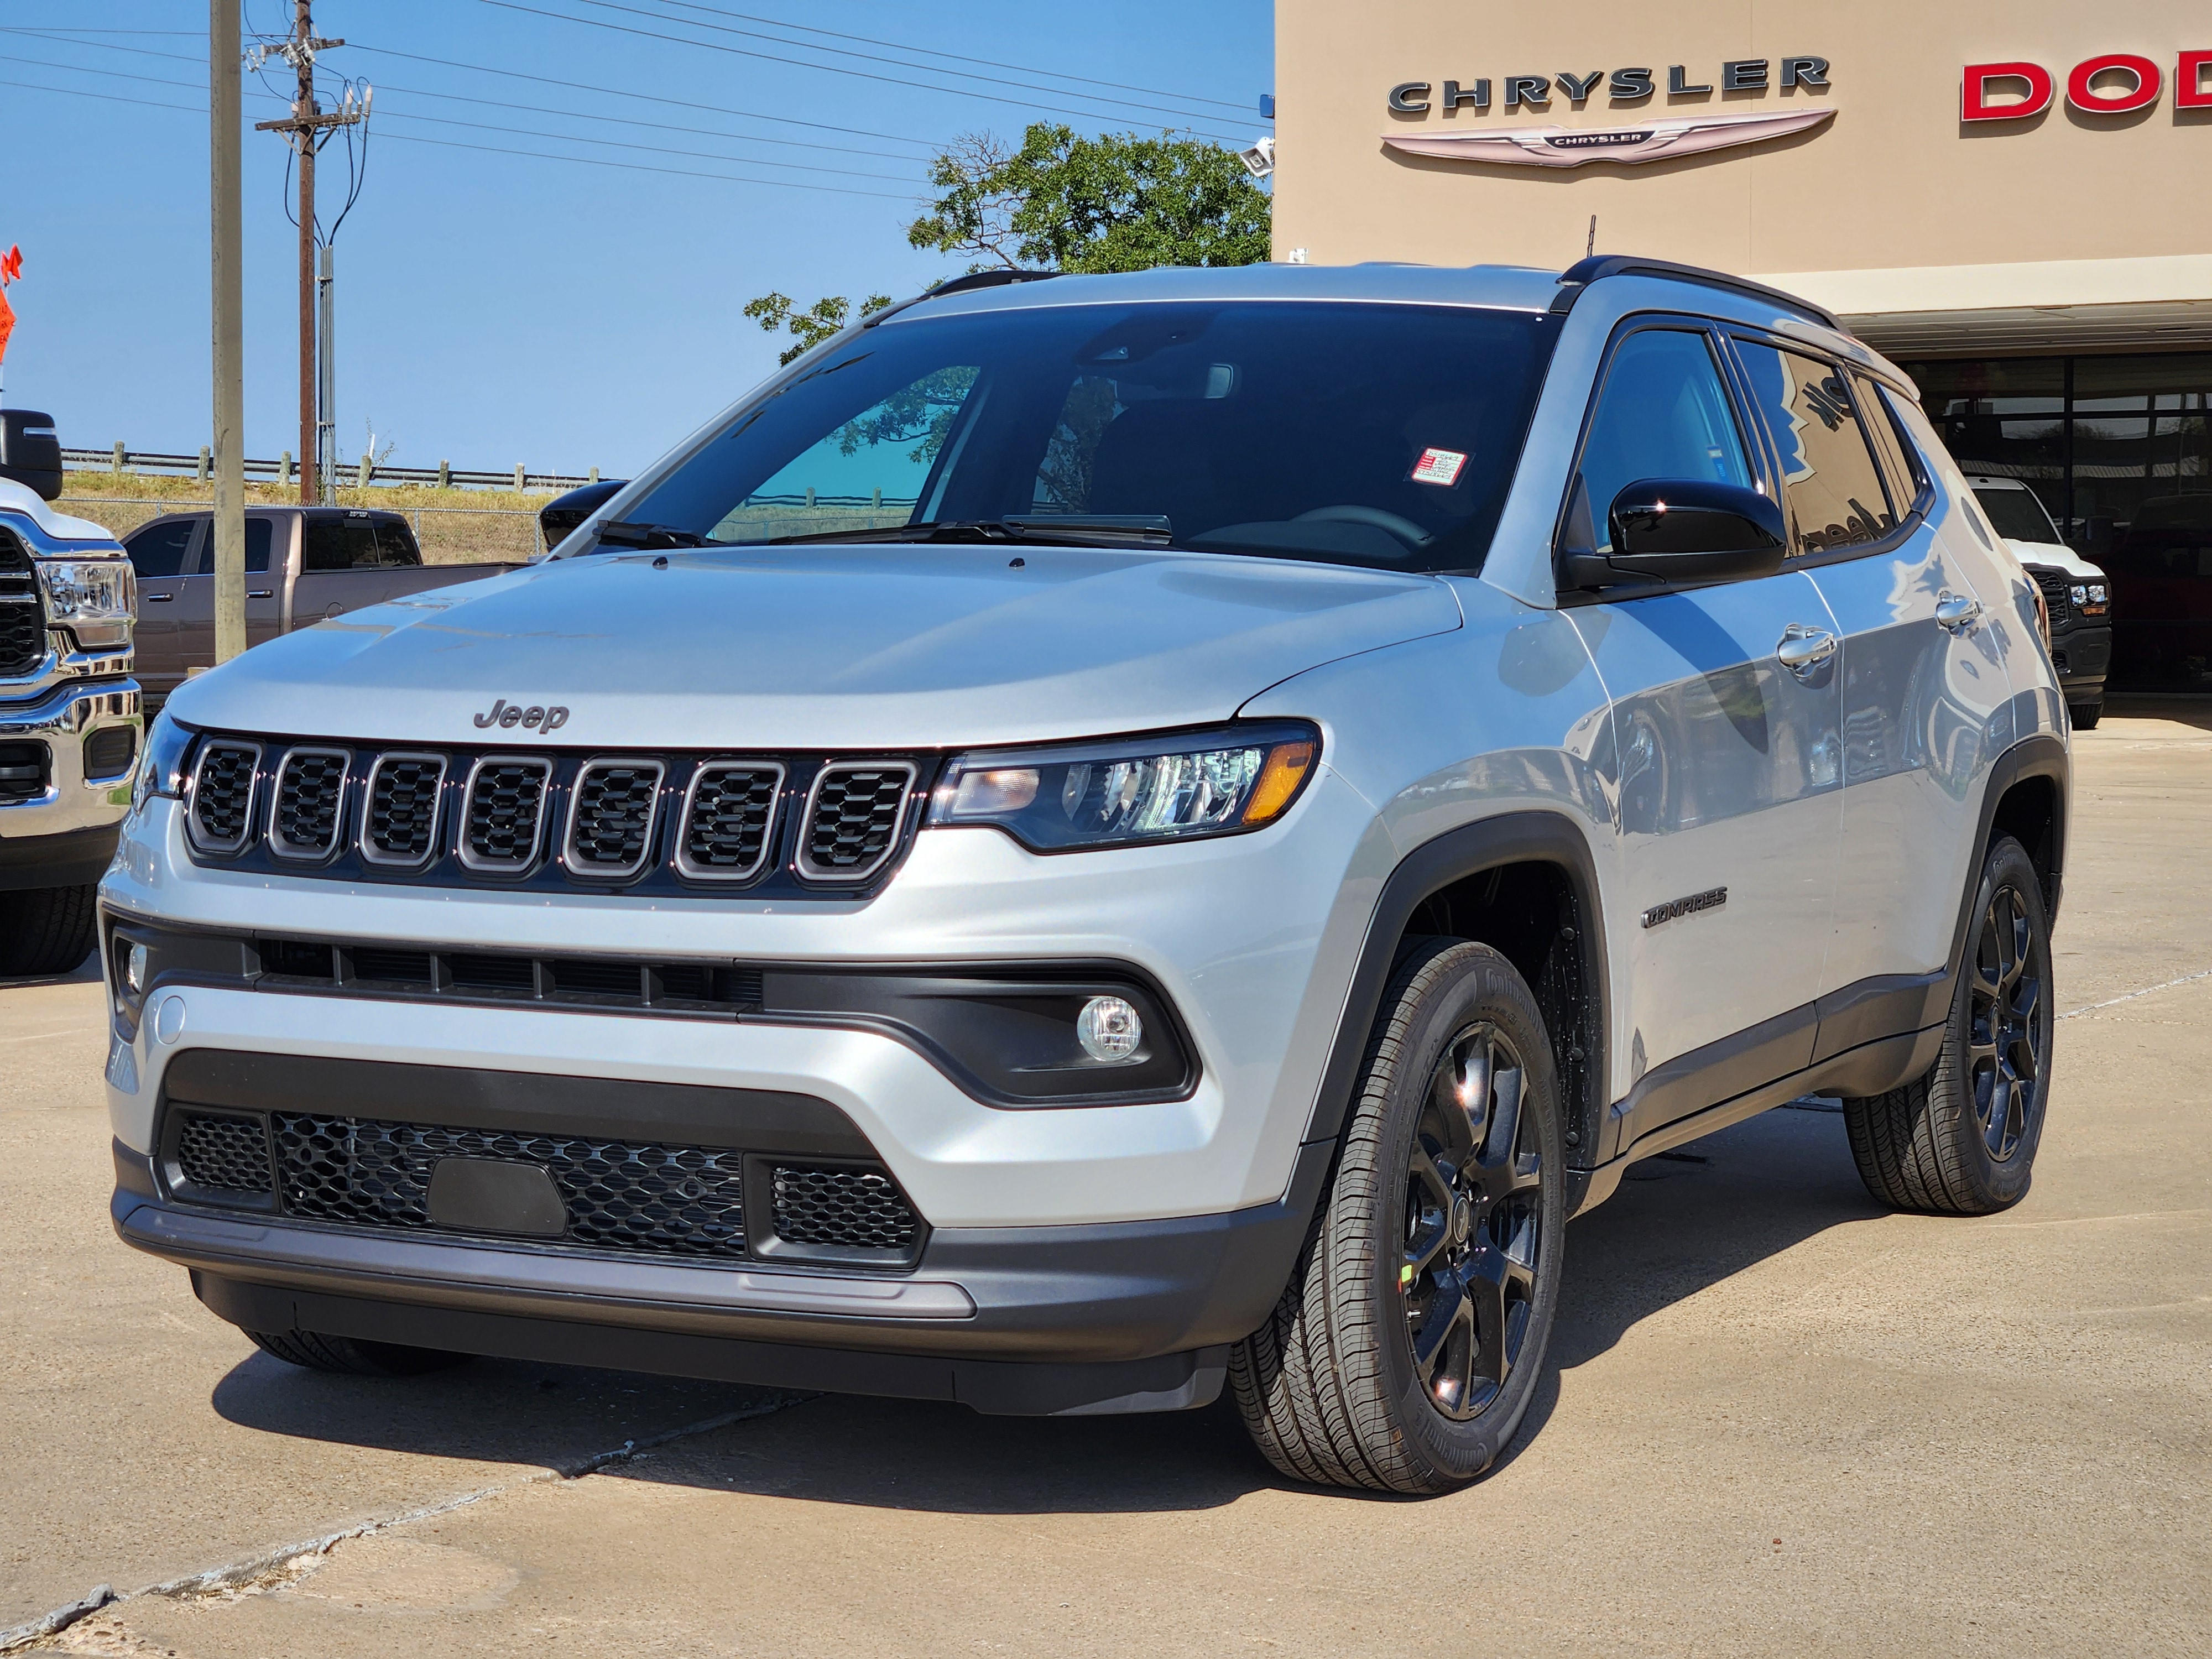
(1804, 648)
(260, 592)
(1957, 612)
(158, 598)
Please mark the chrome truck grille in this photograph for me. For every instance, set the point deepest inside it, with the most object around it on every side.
(23, 623)
(795, 824)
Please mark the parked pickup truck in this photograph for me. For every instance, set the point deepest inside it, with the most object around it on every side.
(69, 708)
(1337, 765)
(2077, 601)
(302, 564)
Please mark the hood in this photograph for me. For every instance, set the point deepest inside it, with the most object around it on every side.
(58, 526)
(2055, 556)
(889, 647)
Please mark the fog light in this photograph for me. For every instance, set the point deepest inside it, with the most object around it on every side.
(1108, 1029)
(134, 971)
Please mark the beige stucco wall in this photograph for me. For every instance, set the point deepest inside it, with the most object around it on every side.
(1894, 184)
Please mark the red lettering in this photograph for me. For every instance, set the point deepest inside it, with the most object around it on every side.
(2189, 91)
(1974, 98)
(2141, 95)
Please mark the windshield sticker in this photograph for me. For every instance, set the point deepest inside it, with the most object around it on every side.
(1438, 466)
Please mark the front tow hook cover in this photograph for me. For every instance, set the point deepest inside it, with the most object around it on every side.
(493, 1195)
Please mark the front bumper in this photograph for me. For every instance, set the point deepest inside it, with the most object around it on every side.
(1129, 1316)
(65, 834)
(2082, 654)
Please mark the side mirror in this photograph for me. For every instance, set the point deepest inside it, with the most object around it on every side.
(1685, 529)
(30, 453)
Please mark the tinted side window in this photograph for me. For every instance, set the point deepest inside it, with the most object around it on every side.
(1828, 473)
(1907, 475)
(162, 549)
(337, 544)
(395, 544)
(258, 534)
(1663, 413)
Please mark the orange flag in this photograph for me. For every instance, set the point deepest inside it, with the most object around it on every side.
(7, 322)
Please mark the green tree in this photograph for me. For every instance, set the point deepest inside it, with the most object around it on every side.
(1115, 202)
(812, 326)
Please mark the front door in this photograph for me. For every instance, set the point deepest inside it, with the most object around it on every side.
(162, 554)
(1730, 811)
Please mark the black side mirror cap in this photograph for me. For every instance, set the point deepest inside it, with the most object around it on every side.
(30, 453)
(1685, 530)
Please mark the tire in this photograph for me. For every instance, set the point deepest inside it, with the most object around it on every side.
(1441, 1232)
(2085, 715)
(47, 930)
(352, 1356)
(1961, 1139)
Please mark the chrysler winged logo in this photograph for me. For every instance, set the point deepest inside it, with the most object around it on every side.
(1574, 146)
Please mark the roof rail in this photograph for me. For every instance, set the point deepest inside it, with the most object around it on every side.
(973, 280)
(1579, 276)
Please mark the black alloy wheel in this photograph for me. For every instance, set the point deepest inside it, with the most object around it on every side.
(1961, 1138)
(1473, 1224)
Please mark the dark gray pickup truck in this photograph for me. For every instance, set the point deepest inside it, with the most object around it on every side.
(302, 564)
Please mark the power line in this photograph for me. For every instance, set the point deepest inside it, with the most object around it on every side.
(877, 58)
(800, 62)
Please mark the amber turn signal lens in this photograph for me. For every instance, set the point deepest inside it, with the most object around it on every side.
(1284, 771)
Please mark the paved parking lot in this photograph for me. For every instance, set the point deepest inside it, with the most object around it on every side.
(1778, 1420)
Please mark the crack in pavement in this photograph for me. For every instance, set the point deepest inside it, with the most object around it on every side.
(246, 1573)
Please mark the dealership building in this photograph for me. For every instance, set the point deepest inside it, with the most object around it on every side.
(2010, 201)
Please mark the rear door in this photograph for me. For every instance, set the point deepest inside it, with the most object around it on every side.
(1924, 685)
(1728, 804)
(162, 554)
(340, 557)
(194, 602)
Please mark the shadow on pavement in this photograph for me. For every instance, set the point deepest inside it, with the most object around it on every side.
(2182, 710)
(1677, 1227)
(85, 973)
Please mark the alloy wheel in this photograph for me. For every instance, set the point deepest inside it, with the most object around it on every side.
(2007, 1021)
(1473, 1210)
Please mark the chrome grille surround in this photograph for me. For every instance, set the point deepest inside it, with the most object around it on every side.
(614, 807)
(503, 814)
(399, 809)
(219, 816)
(23, 617)
(728, 829)
(310, 794)
(855, 814)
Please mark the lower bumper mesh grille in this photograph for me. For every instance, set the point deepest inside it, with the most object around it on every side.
(853, 1209)
(224, 1154)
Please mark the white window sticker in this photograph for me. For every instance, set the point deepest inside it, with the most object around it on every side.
(1438, 466)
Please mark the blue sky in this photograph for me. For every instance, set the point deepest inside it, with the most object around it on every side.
(496, 308)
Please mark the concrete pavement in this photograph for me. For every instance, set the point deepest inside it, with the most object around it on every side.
(1778, 1419)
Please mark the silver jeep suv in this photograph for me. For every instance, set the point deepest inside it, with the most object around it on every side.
(1096, 840)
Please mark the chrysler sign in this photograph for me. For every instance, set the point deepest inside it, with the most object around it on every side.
(1653, 139)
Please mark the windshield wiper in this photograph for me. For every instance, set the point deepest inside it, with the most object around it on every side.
(628, 532)
(1152, 528)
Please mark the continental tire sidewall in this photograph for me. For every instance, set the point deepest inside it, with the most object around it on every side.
(1479, 985)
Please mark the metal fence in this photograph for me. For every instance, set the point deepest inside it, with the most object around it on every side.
(358, 475)
(448, 535)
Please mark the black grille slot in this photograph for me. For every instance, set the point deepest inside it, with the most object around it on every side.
(22, 770)
(310, 806)
(507, 801)
(402, 823)
(610, 825)
(223, 795)
(296, 959)
(109, 752)
(392, 966)
(852, 1208)
(620, 1195)
(2054, 584)
(516, 974)
(854, 824)
(727, 825)
(223, 1154)
(600, 979)
(690, 981)
(22, 621)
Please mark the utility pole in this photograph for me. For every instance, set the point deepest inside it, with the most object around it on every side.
(226, 245)
(306, 131)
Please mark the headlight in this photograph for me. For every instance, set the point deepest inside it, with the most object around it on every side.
(96, 599)
(2094, 601)
(1131, 791)
(161, 767)
(2078, 595)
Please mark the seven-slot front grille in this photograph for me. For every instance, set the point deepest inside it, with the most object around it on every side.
(611, 817)
(309, 815)
(223, 795)
(506, 805)
(729, 818)
(623, 1195)
(660, 823)
(853, 820)
(23, 623)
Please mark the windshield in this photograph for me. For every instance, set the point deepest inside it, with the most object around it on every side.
(1377, 435)
(2018, 516)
